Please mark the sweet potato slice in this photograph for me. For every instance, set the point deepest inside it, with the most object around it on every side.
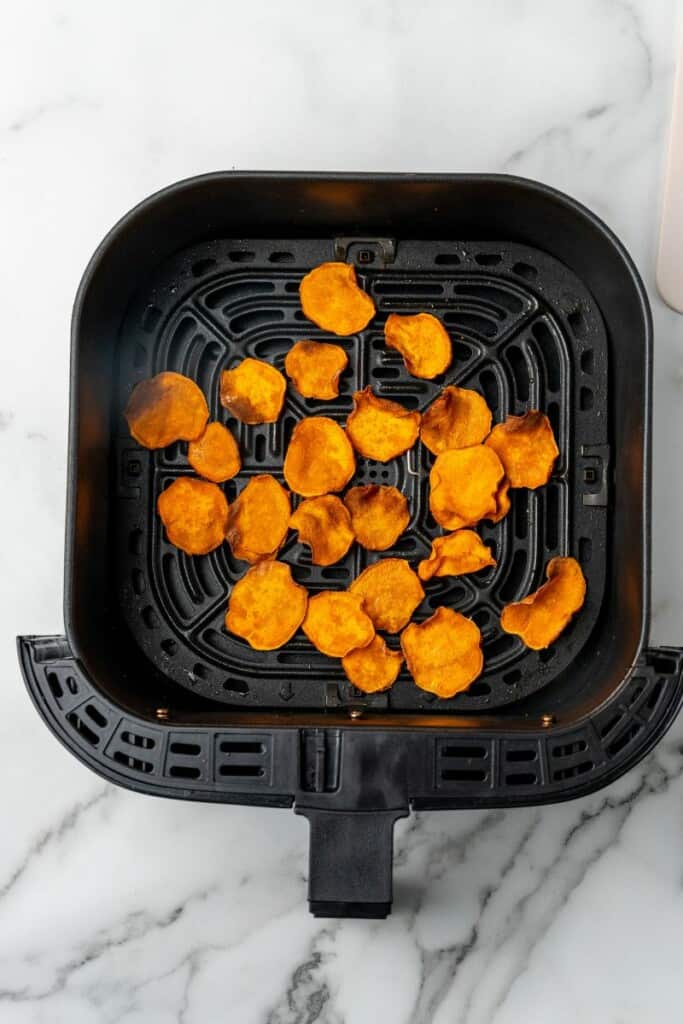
(527, 448)
(380, 429)
(324, 524)
(319, 457)
(166, 408)
(335, 623)
(456, 554)
(254, 391)
(422, 340)
(464, 485)
(314, 367)
(266, 606)
(379, 515)
(215, 455)
(331, 298)
(458, 418)
(373, 668)
(195, 514)
(443, 653)
(503, 503)
(259, 519)
(540, 617)
(390, 591)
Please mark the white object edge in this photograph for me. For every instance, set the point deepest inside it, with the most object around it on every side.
(670, 255)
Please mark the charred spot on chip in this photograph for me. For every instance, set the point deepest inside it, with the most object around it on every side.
(335, 623)
(266, 606)
(195, 514)
(324, 524)
(422, 340)
(380, 429)
(319, 457)
(372, 668)
(215, 455)
(527, 448)
(456, 554)
(458, 418)
(443, 654)
(464, 485)
(331, 298)
(379, 515)
(314, 367)
(540, 617)
(390, 591)
(254, 391)
(259, 519)
(166, 408)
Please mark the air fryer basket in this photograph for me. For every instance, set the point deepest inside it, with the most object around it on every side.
(546, 311)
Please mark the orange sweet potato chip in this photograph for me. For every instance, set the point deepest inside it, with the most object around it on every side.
(335, 623)
(325, 525)
(266, 607)
(254, 391)
(540, 617)
(527, 448)
(390, 591)
(372, 668)
(315, 368)
(380, 429)
(457, 553)
(166, 408)
(463, 486)
(502, 502)
(443, 653)
(379, 515)
(458, 418)
(319, 457)
(195, 514)
(259, 519)
(331, 298)
(423, 342)
(215, 455)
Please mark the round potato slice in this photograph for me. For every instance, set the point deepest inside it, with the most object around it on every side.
(423, 342)
(380, 429)
(166, 408)
(540, 617)
(215, 455)
(379, 515)
(324, 524)
(195, 514)
(464, 484)
(443, 653)
(319, 457)
(315, 367)
(254, 391)
(458, 418)
(259, 519)
(331, 298)
(390, 591)
(373, 668)
(456, 554)
(527, 448)
(335, 623)
(503, 503)
(266, 607)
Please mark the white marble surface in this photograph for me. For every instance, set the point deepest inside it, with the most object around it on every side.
(120, 908)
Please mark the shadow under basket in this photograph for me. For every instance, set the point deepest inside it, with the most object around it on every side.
(545, 310)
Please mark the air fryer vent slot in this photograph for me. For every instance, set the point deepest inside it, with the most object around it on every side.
(462, 764)
(247, 759)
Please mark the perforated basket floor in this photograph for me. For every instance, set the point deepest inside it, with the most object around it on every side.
(526, 334)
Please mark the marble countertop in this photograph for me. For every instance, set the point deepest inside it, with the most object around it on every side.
(119, 908)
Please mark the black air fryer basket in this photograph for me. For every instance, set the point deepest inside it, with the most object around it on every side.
(546, 311)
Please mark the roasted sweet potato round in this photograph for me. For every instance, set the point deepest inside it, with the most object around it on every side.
(443, 653)
(540, 617)
(380, 429)
(527, 448)
(331, 298)
(314, 367)
(390, 591)
(319, 457)
(456, 554)
(215, 455)
(324, 524)
(335, 623)
(372, 668)
(266, 606)
(379, 515)
(254, 391)
(503, 503)
(458, 418)
(166, 408)
(422, 340)
(259, 519)
(464, 484)
(195, 514)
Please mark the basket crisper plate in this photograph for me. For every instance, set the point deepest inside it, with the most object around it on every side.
(526, 334)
